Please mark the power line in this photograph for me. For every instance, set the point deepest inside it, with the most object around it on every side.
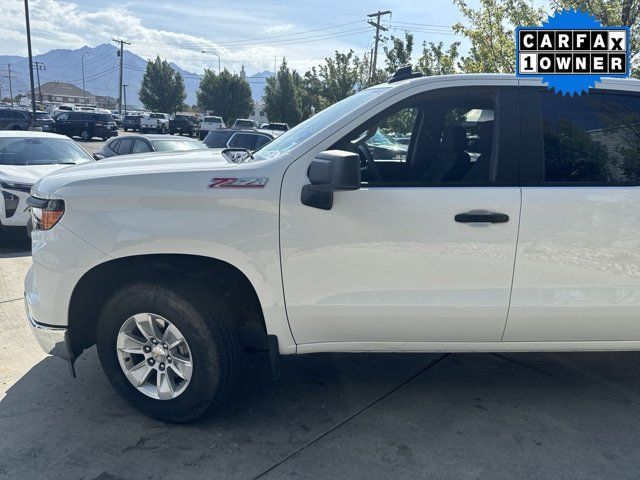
(91, 60)
(293, 41)
(249, 41)
(417, 30)
(422, 24)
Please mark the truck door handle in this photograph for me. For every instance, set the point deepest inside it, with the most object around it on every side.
(481, 216)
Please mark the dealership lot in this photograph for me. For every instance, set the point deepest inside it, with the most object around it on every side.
(329, 416)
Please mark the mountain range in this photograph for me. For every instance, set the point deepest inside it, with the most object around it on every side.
(101, 70)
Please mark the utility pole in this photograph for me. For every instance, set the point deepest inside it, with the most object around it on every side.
(84, 91)
(10, 87)
(121, 55)
(125, 98)
(379, 27)
(33, 89)
(39, 66)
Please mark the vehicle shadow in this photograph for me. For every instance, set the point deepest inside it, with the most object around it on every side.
(13, 246)
(337, 415)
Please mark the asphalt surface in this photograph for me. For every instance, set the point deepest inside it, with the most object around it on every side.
(460, 416)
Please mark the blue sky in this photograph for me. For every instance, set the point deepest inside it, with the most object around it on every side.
(248, 32)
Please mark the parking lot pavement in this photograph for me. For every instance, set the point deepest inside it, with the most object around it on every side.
(463, 416)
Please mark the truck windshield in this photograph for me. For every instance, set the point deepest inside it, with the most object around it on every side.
(298, 134)
(40, 151)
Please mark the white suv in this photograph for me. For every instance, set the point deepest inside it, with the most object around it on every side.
(25, 157)
(510, 223)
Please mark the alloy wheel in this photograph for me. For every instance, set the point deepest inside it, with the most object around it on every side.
(154, 356)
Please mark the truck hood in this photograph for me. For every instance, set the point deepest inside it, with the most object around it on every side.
(28, 174)
(126, 165)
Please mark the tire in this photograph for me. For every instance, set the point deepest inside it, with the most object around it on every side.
(85, 135)
(125, 129)
(203, 320)
(143, 130)
(16, 127)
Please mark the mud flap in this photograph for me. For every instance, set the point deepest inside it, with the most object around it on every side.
(274, 356)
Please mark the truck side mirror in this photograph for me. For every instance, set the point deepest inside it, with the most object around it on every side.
(330, 171)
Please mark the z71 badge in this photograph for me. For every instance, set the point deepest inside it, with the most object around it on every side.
(235, 182)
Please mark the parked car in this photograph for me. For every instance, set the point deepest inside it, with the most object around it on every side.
(232, 138)
(117, 119)
(275, 129)
(383, 147)
(20, 119)
(531, 244)
(210, 123)
(25, 157)
(14, 119)
(44, 121)
(155, 122)
(244, 123)
(85, 125)
(183, 124)
(65, 107)
(131, 122)
(145, 144)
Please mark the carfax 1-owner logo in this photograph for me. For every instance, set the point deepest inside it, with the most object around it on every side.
(572, 51)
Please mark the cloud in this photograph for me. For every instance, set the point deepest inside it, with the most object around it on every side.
(280, 28)
(60, 24)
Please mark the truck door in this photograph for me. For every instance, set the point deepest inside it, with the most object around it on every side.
(577, 275)
(424, 251)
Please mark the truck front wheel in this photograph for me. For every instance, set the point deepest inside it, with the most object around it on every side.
(170, 351)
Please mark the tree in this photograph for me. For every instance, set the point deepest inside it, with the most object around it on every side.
(399, 53)
(227, 95)
(282, 96)
(339, 76)
(435, 60)
(490, 28)
(162, 88)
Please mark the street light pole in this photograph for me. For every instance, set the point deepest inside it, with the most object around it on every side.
(33, 88)
(84, 91)
(214, 53)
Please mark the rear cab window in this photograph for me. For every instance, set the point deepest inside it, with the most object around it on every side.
(591, 139)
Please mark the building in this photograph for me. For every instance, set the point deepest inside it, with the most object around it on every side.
(61, 92)
(258, 113)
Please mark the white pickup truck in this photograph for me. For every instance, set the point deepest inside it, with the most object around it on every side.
(511, 223)
(155, 122)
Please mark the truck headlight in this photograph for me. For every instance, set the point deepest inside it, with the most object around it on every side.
(45, 213)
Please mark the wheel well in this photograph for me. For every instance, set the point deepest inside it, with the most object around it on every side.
(97, 285)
